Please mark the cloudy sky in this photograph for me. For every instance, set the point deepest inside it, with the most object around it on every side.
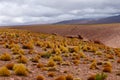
(14, 12)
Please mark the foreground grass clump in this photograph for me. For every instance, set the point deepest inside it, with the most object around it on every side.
(4, 71)
(5, 57)
(20, 69)
(40, 77)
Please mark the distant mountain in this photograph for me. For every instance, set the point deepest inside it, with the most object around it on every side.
(113, 19)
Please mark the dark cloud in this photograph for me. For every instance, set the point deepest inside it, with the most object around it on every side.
(48, 11)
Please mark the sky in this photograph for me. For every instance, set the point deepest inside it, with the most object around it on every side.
(15, 12)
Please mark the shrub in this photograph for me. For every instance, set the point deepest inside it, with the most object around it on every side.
(92, 77)
(61, 78)
(46, 55)
(40, 77)
(4, 71)
(98, 53)
(82, 55)
(118, 61)
(56, 51)
(18, 51)
(31, 51)
(28, 45)
(52, 68)
(101, 76)
(66, 55)
(35, 59)
(40, 65)
(93, 65)
(38, 43)
(109, 56)
(51, 63)
(20, 69)
(107, 64)
(5, 57)
(51, 74)
(107, 69)
(64, 49)
(57, 58)
(49, 45)
(76, 62)
(69, 77)
(66, 63)
(22, 59)
(10, 66)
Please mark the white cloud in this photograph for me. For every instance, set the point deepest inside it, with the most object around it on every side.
(48, 11)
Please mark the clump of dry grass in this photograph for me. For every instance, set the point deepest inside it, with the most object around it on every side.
(51, 63)
(28, 45)
(22, 59)
(107, 69)
(5, 57)
(57, 58)
(40, 77)
(35, 58)
(10, 66)
(20, 69)
(93, 65)
(46, 55)
(40, 65)
(76, 62)
(51, 74)
(69, 77)
(4, 71)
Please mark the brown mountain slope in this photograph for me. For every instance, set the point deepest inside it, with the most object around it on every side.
(109, 34)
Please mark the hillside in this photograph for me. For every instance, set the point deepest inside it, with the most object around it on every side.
(108, 34)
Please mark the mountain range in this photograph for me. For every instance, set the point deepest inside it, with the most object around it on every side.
(106, 20)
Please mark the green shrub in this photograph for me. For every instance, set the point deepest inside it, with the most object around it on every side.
(101, 76)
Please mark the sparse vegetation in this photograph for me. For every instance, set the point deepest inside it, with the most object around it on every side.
(40, 77)
(5, 57)
(101, 76)
(69, 77)
(20, 69)
(4, 71)
(22, 59)
(55, 57)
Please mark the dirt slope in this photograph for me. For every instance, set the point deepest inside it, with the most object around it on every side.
(109, 34)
